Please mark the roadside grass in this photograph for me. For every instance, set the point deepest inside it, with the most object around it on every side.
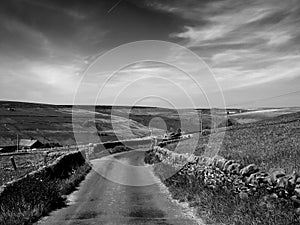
(34, 198)
(221, 206)
(270, 144)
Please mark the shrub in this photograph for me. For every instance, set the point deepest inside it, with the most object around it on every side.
(120, 148)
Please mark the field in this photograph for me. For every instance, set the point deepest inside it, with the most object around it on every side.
(61, 124)
(26, 163)
(270, 143)
(259, 114)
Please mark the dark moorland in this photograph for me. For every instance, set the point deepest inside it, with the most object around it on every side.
(57, 124)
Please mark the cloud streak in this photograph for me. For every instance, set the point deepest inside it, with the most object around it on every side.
(251, 46)
(247, 43)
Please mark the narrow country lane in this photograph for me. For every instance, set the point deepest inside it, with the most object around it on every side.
(102, 201)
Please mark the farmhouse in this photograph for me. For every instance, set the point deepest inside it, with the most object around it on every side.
(29, 144)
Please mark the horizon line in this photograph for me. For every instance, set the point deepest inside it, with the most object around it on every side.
(141, 106)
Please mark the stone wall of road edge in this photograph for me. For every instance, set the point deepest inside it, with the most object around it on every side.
(68, 158)
(217, 171)
(62, 167)
(97, 147)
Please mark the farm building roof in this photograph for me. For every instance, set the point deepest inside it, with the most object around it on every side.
(27, 142)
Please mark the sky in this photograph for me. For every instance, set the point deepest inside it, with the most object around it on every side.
(96, 52)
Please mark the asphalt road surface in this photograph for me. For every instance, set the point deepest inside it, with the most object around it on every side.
(121, 190)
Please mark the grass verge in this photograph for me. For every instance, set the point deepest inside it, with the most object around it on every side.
(34, 198)
(221, 205)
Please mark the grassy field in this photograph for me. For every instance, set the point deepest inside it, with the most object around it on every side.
(25, 163)
(270, 144)
(262, 114)
(60, 123)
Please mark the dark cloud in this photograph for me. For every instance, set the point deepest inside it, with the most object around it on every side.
(249, 41)
(83, 26)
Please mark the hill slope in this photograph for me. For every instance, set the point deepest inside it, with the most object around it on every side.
(53, 124)
(271, 143)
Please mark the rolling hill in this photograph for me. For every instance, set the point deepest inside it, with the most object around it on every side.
(62, 123)
(54, 124)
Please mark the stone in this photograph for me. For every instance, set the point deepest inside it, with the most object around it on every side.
(198, 159)
(291, 182)
(293, 178)
(226, 164)
(276, 174)
(274, 196)
(282, 182)
(296, 200)
(281, 193)
(268, 180)
(248, 170)
(261, 177)
(297, 192)
(255, 178)
(243, 195)
(220, 163)
(205, 160)
(214, 161)
(233, 168)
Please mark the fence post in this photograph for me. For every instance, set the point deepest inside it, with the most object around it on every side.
(45, 158)
(155, 141)
(12, 159)
(91, 149)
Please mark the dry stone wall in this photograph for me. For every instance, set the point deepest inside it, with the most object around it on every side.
(218, 172)
(62, 167)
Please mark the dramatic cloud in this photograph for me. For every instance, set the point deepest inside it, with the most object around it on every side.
(251, 46)
(246, 43)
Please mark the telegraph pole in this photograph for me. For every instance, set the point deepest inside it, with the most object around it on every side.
(201, 120)
(227, 114)
(17, 142)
